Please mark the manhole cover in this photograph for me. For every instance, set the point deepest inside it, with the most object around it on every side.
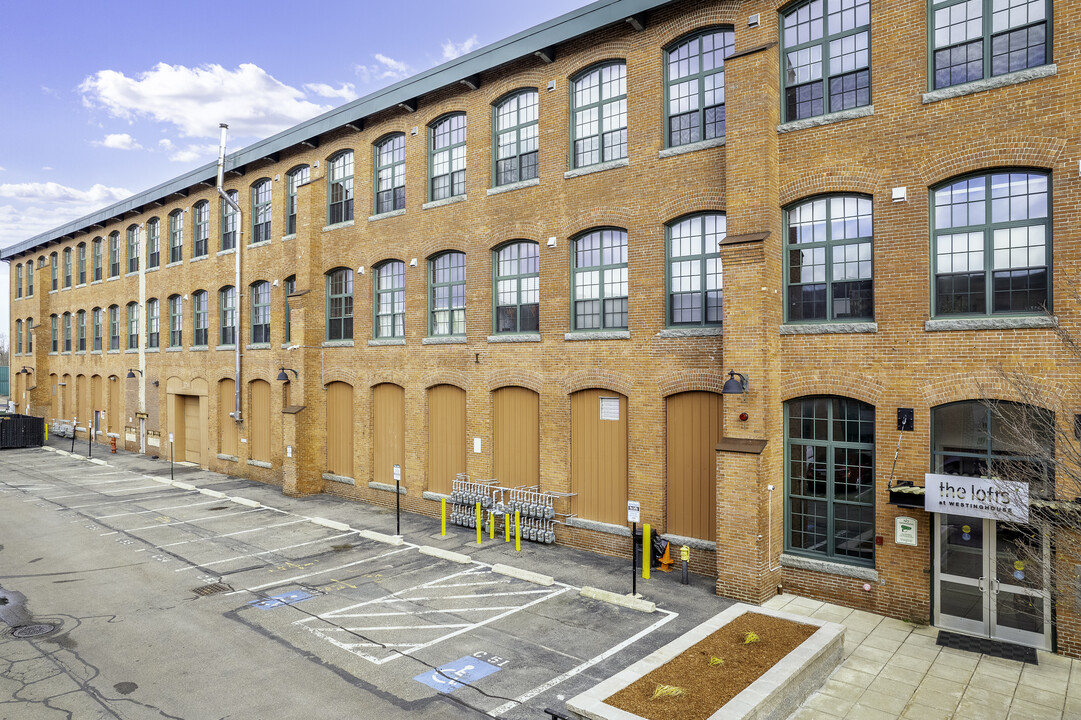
(211, 589)
(30, 631)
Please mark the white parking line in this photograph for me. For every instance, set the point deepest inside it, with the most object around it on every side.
(266, 552)
(106, 494)
(238, 532)
(167, 507)
(287, 581)
(174, 493)
(188, 522)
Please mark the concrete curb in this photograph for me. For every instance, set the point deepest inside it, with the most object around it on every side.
(183, 485)
(98, 462)
(46, 448)
(380, 537)
(244, 501)
(332, 524)
(163, 481)
(617, 599)
(527, 575)
(212, 493)
(62, 452)
(445, 554)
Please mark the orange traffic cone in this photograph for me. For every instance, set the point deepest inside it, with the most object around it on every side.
(666, 559)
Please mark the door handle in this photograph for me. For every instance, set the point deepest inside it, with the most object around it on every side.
(996, 585)
(980, 585)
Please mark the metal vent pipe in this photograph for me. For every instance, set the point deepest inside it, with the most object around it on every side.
(239, 229)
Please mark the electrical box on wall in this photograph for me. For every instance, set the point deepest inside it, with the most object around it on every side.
(906, 419)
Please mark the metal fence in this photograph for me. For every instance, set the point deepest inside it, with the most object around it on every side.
(21, 431)
(5, 386)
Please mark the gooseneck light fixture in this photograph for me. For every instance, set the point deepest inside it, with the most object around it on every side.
(282, 377)
(732, 386)
(132, 371)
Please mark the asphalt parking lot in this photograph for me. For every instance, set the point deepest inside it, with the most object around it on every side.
(219, 597)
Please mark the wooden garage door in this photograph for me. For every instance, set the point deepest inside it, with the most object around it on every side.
(193, 430)
(388, 431)
(693, 430)
(340, 429)
(516, 436)
(599, 455)
(260, 421)
(446, 436)
(227, 432)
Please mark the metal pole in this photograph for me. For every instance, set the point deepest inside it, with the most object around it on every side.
(170, 456)
(74, 424)
(634, 560)
(398, 506)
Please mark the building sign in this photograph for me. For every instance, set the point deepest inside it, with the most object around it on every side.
(976, 497)
(634, 511)
(904, 531)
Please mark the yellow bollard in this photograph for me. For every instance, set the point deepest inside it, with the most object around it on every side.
(46, 432)
(645, 551)
(491, 526)
(480, 525)
(517, 531)
(443, 514)
(506, 527)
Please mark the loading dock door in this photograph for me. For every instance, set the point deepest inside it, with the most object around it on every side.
(340, 429)
(388, 408)
(446, 436)
(193, 429)
(693, 431)
(599, 455)
(516, 411)
(260, 421)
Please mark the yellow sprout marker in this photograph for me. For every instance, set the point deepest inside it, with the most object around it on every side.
(667, 691)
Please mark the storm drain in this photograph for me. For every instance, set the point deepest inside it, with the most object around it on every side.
(32, 631)
(213, 589)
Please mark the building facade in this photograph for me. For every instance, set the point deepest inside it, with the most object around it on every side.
(540, 262)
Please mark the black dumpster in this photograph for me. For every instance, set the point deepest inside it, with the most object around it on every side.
(21, 431)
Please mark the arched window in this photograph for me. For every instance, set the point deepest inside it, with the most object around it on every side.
(340, 304)
(390, 174)
(200, 229)
(290, 287)
(227, 311)
(54, 341)
(517, 285)
(114, 327)
(153, 323)
(971, 40)
(390, 299)
(18, 337)
(694, 85)
(200, 318)
(114, 254)
(293, 179)
(830, 479)
(67, 332)
(829, 260)
(176, 321)
(80, 330)
(260, 312)
(133, 248)
(67, 267)
(30, 334)
(80, 256)
(695, 288)
(54, 272)
(340, 188)
(133, 326)
(448, 157)
(96, 251)
(600, 280)
(600, 114)
(228, 221)
(516, 141)
(30, 279)
(447, 299)
(991, 236)
(176, 236)
(153, 243)
(18, 281)
(260, 211)
(98, 321)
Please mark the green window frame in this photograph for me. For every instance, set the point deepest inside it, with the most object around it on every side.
(153, 323)
(133, 248)
(114, 327)
(447, 157)
(515, 152)
(830, 479)
(599, 288)
(599, 114)
(290, 288)
(340, 304)
(18, 337)
(53, 325)
(114, 254)
(389, 177)
(200, 313)
(965, 47)
(260, 312)
(176, 236)
(153, 243)
(517, 287)
(446, 294)
(389, 300)
(80, 260)
(261, 210)
(229, 221)
(98, 320)
(340, 188)
(80, 330)
(67, 267)
(30, 279)
(695, 283)
(97, 258)
(227, 316)
(829, 260)
(991, 244)
(18, 281)
(200, 229)
(176, 321)
(293, 179)
(54, 272)
(67, 332)
(133, 326)
(694, 86)
(30, 335)
(826, 57)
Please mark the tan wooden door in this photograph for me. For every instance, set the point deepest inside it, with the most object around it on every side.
(340, 429)
(193, 430)
(516, 436)
(693, 428)
(227, 431)
(446, 436)
(260, 421)
(388, 431)
(599, 455)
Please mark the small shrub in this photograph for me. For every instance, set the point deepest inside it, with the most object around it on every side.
(714, 661)
(750, 637)
(667, 691)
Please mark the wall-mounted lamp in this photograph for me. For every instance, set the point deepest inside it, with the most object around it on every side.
(413, 262)
(26, 371)
(132, 371)
(154, 383)
(282, 377)
(733, 386)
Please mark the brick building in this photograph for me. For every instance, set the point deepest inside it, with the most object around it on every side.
(511, 266)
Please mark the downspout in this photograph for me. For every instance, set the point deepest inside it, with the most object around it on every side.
(239, 226)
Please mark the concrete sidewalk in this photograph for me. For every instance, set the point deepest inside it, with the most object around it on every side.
(893, 669)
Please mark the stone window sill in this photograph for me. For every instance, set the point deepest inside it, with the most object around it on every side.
(132, 273)
(114, 352)
(95, 352)
(257, 346)
(991, 83)
(229, 458)
(386, 487)
(382, 342)
(230, 251)
(96, 282)
(199, 348)
(114, 277)
(990, 323)
(599, 167)
(692, 543)
(151, 350)
(599, 526)
(260, 464)
(830, 328)
(444, 201)
(606, 335)
(831, 568)
(337, 343)
(131, 350)
(385, 215)
(444, 340)
(842, 116)
(197, 259)
(152, 269)
(225, 347)
(339, 479)
(174, 264)
(80, 285)
(338, 226)
(292, 236)
(515, 338)
(65, 288)
(429, 495)
(691, 147)
(510, 187)
(173, 349)
(264, 243)
(690, 332)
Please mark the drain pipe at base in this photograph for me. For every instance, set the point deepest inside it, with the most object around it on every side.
(239, 230)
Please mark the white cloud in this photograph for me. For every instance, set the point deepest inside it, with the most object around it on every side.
(38, 207)
(119, 141)
(166, 144)
(195, 100)
(346, 92)
(386, 69)
(452, 50)
(51, 192)
(47, 168)
(192, 152)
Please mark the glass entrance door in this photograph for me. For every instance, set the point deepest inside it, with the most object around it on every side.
(992, 580)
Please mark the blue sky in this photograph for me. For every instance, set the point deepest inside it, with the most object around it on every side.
(103, 100)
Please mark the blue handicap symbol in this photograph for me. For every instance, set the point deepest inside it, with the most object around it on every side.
(276, 601)
(463, 671)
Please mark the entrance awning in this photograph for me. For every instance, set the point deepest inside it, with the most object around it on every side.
(911, 496)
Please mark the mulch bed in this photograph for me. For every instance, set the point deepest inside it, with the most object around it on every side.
(706, 688)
